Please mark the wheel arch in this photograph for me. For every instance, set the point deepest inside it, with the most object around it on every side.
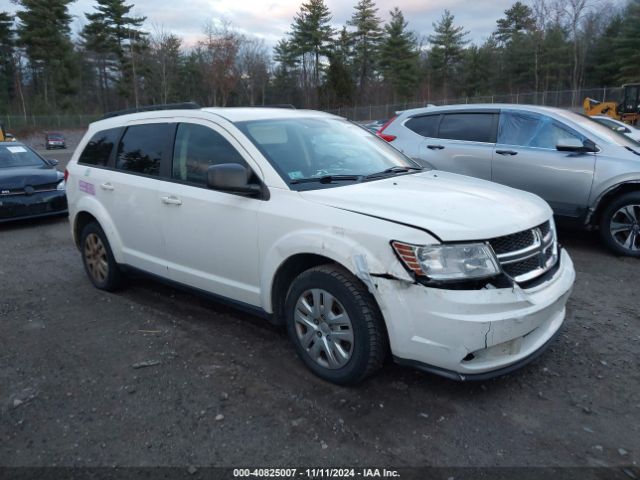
(610, 195)
(88, 210)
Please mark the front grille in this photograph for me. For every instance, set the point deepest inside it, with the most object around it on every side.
(512, 243)
(528, 254)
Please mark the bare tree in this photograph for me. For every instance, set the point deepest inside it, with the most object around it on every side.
(219, 54)
(253, 64)
(164, 64)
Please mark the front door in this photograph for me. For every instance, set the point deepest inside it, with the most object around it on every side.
(211, 236)
(526, 158)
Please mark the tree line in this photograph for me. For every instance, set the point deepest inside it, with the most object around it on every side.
(115, 63)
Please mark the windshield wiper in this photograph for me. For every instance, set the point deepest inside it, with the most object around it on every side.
(326, 179)
(396, 169)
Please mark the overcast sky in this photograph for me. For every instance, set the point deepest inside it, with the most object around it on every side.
(270, 19)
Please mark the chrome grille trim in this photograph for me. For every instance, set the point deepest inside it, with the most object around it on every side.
(520, 264)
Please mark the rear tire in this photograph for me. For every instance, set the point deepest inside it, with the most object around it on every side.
(98, 260)
(620, 225)
(335, 325)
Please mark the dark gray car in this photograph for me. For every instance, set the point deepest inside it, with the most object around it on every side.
(589, 174)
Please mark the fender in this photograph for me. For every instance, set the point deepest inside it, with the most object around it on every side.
(355, 257)
(92, 206)
(609, 186)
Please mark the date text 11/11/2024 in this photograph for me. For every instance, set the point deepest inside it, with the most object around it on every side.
(315, 473)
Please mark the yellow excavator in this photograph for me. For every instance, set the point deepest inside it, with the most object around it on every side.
(627, 110)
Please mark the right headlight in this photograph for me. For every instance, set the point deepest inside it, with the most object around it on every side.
(449, 262)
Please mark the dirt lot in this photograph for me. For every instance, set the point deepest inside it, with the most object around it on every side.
(224, 388)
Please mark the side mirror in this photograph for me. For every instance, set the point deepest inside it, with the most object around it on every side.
(231, 177)
(52, 161)
(575, 145)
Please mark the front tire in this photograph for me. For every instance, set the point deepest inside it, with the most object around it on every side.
(335, 325)
(620, 225)
(98, 260)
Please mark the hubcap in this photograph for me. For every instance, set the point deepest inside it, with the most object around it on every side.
(625, 227)
(324, 328)
(95, 256)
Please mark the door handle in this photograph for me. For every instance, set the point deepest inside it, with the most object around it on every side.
(435, 147)
(171, 200)
(506, 152)
(106, 186)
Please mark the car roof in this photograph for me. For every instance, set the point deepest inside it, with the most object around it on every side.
(232, 114)
(480, 107)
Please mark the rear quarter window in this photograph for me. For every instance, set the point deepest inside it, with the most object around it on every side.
(98, 150)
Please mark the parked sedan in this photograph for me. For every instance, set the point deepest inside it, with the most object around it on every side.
(617, 126)
(54, 140)
(30, 186)
(589, 174)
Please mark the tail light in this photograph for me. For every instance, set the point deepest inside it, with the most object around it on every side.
(66, 175)
(384, 136)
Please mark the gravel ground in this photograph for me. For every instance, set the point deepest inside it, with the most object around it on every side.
(155, 376)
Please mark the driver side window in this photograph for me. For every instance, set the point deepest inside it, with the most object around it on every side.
(532, 130)
(197, 148)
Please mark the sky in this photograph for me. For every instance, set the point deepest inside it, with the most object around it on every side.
(271, 19)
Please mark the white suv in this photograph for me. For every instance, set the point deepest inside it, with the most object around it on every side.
(315, 223)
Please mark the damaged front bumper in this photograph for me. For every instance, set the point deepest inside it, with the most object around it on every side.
(473, 334)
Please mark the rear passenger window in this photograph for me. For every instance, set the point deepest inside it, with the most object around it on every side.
(197, 148)
(141, 148)
(427, 126)
(472, 127)
(98, 150)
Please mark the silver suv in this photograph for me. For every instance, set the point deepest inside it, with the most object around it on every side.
(589, 174)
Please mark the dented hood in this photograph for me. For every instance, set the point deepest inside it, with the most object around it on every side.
(452, 207)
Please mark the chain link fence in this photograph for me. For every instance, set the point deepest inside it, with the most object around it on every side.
(559, 98)
(571, 99)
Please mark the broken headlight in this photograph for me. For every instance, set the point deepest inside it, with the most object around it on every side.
(449, 262)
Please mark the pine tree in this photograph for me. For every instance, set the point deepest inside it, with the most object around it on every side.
(399, 56)
(339, 87)
(366, 41)
(447, 50)
(517, 20)
(43, 31)
(6, 61)
(627, 46)
(116, 38)
(311, 33)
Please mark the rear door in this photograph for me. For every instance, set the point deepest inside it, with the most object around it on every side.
(458, 142)
(526, 158)
(142, 159)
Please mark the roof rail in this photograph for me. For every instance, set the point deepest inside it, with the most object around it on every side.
(151, 108)
(277, 105)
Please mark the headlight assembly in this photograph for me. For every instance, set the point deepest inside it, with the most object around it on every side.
(449, 262)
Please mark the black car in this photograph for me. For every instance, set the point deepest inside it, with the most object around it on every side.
(30, 186)
(54, 140)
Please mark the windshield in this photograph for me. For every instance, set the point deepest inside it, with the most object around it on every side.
(18, 156)
(603, 132)
(323, 148)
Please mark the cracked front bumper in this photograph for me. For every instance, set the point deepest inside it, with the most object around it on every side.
(473, 334)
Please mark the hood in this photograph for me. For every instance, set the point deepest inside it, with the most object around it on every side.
(452, 207)
(16, 178)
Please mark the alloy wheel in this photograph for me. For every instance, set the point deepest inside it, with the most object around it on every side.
(625, 227)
